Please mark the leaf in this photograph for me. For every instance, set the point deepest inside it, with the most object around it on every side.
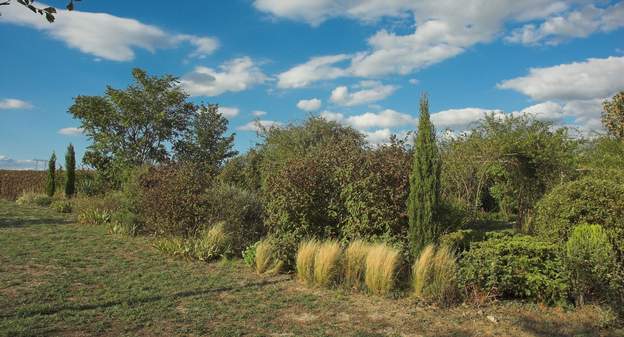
(50, 10)
(49, 17)
(33, 8)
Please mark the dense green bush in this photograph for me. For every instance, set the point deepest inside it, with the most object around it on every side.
(302, 200)
(586, 201)
(171, 201)
(374, 188)
(516, 267)
(461, 240)
(590, 259)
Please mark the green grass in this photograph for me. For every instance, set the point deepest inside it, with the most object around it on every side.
(58, 278)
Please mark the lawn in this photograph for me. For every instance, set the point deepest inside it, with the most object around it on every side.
(58, 278)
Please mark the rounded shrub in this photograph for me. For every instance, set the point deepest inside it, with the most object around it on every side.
(516, 267)
(586, 201)
(589, 257)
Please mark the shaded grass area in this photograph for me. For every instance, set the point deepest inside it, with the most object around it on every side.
(62, 279)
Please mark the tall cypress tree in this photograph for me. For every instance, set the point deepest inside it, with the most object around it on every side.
(70, 167)
(51, 180)
(424, 184)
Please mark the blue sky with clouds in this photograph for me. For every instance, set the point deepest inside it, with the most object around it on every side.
(363, 63)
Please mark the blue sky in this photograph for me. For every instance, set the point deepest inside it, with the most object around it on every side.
(363, 63)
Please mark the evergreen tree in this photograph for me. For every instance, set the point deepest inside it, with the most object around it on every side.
(70, 167)
(424, 194)
(51, 180)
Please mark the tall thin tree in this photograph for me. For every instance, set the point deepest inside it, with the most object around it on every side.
(70, 168)
(424, 194)
(51, 180)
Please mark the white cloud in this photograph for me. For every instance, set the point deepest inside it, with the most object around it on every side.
(370, 91)
(309, 104)
(317, 68)
(414, 81)
(258, 113)
(575, 24)
(258, 125)
(385, 119)
(594, 78)
(235, 75)
(70, 131)
(229, 112)
(441, 30)
(12, 103)
(7, 163)
(460, 119)
(106, 36)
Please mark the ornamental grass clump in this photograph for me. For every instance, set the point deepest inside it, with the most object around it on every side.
(355, 264)
(382, 264)
(434, 275)
(327, 264)
(304, 261)
(265, 258)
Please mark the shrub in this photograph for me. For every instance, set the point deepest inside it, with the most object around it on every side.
(355, 264)
(173, 246)
(212, 243)
(327, 263)
(95, 217)
(240, 211)
(589, 257)
(435, 275)
(382, 264)
(266, 259)
(249, 254)
(34, 199)
(460, 240)
(374, 189)
(62, 206)
(516, 267)
(306, 256)
(301, 200)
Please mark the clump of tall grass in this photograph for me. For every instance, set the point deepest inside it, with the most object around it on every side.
(36, 199)
(327, 263)
(304, 261)
(434, 275)
(355, 264)
(265, 260)
(382, 264)
(212, 243)
(173, 246)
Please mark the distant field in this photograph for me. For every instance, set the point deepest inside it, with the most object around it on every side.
(58, 278)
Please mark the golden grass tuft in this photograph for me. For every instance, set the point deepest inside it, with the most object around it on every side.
(355, 264)
(265, 258)
(435, 275)
(327, 263)
(422, 270)
(306, 254)
(382, 264)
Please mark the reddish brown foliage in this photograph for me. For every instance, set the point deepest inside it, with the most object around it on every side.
(13, 183)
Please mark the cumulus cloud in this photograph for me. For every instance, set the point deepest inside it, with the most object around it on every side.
(235, 75)
(258, 125)
(579, 80)
(385, 119)
(71, 131)
(459, 119)
(12, 103)
(228, 112)
(574, 24)
(309, 104)
(369, 91)
(106, 36)
(7, 163)
(442, 29)
(317, 68)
